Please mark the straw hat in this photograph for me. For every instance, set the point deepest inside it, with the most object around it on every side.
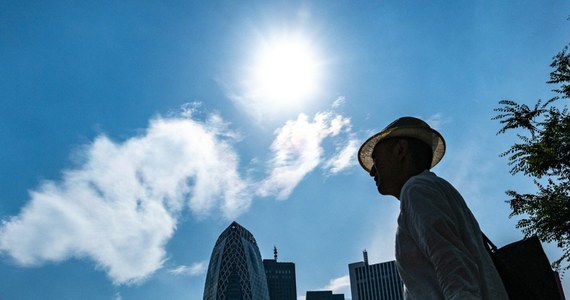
(403, 127)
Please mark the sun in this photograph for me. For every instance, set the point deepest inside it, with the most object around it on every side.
(286, 69)
(285, 74)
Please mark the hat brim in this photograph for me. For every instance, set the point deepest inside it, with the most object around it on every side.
(427, 135)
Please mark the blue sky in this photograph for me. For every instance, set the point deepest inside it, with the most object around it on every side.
(134, 132)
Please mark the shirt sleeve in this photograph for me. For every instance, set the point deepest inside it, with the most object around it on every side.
(435, 227)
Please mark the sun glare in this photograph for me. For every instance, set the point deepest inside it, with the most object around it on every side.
(285, 74)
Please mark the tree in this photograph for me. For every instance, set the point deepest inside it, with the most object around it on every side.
(543, 154)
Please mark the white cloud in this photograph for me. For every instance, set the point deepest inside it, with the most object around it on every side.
(193, 270)
(437, 121)
(297, 150)
(119, 207)
(339, 285)
(340, 101)
(344, 159)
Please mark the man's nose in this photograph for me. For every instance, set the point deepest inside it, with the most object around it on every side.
(373, 171)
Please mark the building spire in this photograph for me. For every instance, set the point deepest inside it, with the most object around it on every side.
(275, 252)
(365, 254)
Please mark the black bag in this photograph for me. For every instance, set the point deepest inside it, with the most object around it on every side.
(525, 270)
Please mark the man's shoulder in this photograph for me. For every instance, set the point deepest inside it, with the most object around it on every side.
(425, 179)
(426, 176)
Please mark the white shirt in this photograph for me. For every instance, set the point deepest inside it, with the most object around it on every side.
(439, 249)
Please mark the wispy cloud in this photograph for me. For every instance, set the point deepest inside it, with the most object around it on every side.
(193, 270)
(339, 285)
(339, 102)
(119, 206)
(297, 150)
(381, 245)
(344, 158)
(437, 121)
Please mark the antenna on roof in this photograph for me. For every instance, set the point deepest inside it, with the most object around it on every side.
(365, 254)
(275, 252)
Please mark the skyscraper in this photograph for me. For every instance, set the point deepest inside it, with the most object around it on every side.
(236, 271)
(375, 282)
(281, 280)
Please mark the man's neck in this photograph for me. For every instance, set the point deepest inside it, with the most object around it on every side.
(407, 174)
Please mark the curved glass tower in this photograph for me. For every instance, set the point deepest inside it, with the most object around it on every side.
(236, 271)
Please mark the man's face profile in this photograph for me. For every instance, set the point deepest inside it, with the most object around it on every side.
(384, 167)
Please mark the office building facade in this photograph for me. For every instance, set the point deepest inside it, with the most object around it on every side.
(281, 280)
(375, 282)
(236, 270)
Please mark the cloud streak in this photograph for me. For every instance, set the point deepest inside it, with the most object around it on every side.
(339, 285)
(193, 270)
(119, 206)
(344, 158)
(298, 150)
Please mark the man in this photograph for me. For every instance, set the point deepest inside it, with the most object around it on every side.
(439, 249)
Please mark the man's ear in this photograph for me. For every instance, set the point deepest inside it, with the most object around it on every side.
(401, 148)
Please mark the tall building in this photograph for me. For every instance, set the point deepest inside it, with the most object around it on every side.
(323, 295)
(375, 282)
(281, 280)
(236, 271)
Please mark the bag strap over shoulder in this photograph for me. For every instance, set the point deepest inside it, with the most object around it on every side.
(488, 243)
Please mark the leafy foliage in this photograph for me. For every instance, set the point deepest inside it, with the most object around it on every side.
(543, 153)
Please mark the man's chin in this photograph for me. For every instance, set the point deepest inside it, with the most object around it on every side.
(384, 192)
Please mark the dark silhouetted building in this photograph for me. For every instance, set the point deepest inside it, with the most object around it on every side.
(375, 282)
(236, 271)
(281, 280)
(323, 295)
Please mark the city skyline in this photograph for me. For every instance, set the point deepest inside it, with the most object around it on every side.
(134, 132)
